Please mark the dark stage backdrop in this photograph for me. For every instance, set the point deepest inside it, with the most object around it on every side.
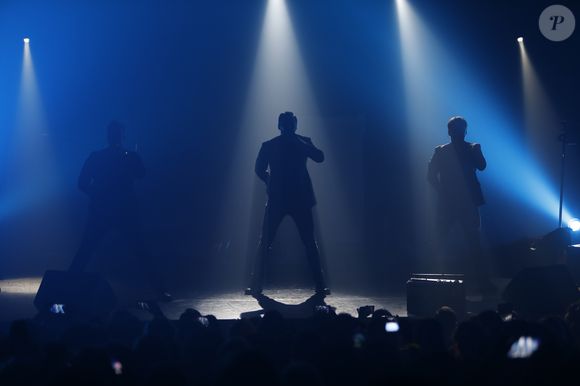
(177, 74)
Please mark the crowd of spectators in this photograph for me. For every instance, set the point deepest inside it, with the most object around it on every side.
(326, 349)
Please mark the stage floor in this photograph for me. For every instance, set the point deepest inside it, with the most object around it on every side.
(17, 295)
(291, 302)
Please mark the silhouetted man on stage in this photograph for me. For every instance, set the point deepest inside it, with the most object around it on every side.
(107, 177)
(281, 164)
(452, 173)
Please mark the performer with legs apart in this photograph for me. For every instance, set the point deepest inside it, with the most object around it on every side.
(281, 164)
(452, 173)
(107, 177)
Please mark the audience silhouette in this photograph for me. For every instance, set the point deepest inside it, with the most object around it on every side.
(321, 349)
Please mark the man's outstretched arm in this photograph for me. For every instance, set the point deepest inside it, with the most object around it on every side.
(312, 152)
(261, 167)
(478, 159)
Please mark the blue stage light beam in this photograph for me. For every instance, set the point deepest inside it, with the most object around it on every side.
(34, 176)
(34, 201)
(279, 83)
(33, 166)
(439, 84)
(540, 116)
(27, 179)
(423, 115)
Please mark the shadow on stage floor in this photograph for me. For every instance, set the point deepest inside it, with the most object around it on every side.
(17, 295)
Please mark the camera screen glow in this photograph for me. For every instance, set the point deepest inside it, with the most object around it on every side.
(524, 347)
(392, 327)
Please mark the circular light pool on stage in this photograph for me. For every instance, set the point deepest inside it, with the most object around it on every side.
(574, 224)
(26, 40)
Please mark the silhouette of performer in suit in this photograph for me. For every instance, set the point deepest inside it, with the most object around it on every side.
(452, 173)
(107, 177)
(281, 164)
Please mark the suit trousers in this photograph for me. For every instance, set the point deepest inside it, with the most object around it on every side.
(126, 221)
(469, 220)
(302, 217)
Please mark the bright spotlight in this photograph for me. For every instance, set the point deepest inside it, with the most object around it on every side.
(574, 224)
(26, 40)
(520, 39)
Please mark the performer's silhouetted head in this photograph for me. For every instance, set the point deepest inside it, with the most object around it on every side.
(457, 128)
(287, 122)
(115, 133)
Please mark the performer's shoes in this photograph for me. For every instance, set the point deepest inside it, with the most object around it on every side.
(252, 291)
(325, 291)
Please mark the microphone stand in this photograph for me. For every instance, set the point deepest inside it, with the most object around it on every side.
(563, 137)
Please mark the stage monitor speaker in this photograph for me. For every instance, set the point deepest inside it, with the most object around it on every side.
(79, 294)
(426, 293)
(540, 291)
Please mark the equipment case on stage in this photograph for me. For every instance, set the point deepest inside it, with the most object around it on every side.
(426, 293)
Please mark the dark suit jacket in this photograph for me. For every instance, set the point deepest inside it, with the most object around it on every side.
(288, 181)
(452, 172)
(108, 177)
